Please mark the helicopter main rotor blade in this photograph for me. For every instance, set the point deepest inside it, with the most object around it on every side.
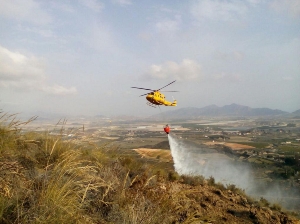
(166, 85)
(144, 94)
(143, 88)
(169, 91)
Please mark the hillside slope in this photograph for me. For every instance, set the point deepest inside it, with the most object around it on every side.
(44, 179)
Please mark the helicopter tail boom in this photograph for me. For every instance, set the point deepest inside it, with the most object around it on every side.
(172, 104)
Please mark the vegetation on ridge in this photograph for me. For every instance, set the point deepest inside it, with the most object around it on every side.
(46, 179)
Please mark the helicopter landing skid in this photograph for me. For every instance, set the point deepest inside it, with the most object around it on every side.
(151, 105)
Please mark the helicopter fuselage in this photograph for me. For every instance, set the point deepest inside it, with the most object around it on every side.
(155, 97)
(158, 98)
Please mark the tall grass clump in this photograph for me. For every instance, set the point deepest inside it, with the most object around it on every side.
(42, 178)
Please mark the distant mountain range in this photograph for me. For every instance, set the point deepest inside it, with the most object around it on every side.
(297, 112)
(233, 110)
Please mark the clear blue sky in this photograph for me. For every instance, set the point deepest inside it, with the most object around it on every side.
(82, 56)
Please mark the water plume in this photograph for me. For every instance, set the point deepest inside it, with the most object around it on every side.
(193, 159)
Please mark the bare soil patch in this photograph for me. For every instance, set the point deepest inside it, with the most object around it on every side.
(164, 155)
(233, 146)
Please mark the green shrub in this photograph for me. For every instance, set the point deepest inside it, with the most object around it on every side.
(220, 186)
(276, 207)
(211, 181)
(173, 176)
(193, 180)
(263, 202)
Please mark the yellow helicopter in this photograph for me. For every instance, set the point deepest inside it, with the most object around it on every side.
(155, 97)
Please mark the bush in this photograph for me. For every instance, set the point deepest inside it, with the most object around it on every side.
(173, 176)
(276, 207)
(211, 181)
(193, 180)
(220, 186)
(263, 202)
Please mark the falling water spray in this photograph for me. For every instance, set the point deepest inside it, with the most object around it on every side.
(192, 159)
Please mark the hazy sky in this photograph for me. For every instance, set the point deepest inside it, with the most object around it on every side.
(82, 56)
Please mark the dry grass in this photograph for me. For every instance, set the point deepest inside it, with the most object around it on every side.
(160, 154)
